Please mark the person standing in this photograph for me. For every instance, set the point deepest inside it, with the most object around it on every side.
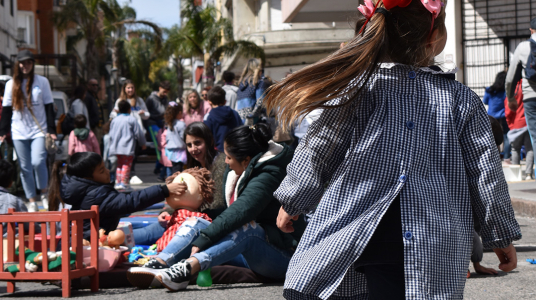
(195, 108)
(138, 109)
(230, 89)
(28, 113)
(494, 98)
(96, 114)
(157, 103)
(250, 90)
(518, 63)
(78, 104)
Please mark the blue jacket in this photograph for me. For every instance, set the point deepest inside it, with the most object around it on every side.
(221, 120)
(83, 193)
(495, 103)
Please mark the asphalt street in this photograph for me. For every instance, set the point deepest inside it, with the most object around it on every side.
(518, 284)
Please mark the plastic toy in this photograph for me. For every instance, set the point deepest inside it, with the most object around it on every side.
(204, 278)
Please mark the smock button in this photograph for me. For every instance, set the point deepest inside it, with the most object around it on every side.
(402, 178)
(410, 124)
(412, 74)
(408, 235)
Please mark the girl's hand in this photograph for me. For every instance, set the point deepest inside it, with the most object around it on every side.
(53, 136)
(284, 221)
(195, 250)
(116, 110)
(2, 138)
(177, 188)
(141, 112)
(162, 219)
(508, 258)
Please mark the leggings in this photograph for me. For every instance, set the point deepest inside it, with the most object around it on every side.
(122, 173)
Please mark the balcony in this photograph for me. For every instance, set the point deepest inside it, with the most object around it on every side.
(297, 11)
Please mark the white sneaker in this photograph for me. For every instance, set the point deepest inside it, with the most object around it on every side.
(32, 207)
(119, 186)
(528, 177)
(44, 201)
(135, 180)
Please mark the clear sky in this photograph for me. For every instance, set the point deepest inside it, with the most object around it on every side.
(162, 12)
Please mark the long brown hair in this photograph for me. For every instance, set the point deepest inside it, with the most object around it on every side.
(18, 94)
(187, 102)
(200, 130)
(124, 96)
(171, 115)
(251, 72)
(401, 37)
(54, 199)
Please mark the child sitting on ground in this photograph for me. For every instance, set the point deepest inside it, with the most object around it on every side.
(124, 133)
(6, 199)
(221, 119)
(87, 182)
(82, 139)
(175, 146)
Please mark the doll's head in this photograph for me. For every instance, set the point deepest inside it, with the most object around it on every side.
(200, 190)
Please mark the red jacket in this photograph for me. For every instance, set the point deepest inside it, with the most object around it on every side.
(516, 119)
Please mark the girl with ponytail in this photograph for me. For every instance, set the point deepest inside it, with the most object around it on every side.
(398, 225)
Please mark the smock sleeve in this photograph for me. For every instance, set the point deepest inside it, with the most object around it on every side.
(316, 159)
(487, 187)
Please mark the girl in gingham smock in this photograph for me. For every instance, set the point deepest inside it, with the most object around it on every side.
(393, 168)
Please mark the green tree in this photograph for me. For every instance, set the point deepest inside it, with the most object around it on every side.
(86, 15)
(210, 37)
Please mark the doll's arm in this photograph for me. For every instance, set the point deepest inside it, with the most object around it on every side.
(487, 186)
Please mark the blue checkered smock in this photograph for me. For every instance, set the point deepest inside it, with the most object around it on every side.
(413, 133)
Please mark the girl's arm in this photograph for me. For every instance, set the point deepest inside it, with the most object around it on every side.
(318, 156)
(143, 107)
(7, 110)
(72, 143)
(487, 186)
(114, 111)
(94, 143)
(48, 103)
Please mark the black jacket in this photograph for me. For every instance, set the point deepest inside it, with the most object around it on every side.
(83, 193)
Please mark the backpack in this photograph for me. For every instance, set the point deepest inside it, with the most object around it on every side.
(530, 70)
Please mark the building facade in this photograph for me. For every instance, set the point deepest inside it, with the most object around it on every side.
(8, 34)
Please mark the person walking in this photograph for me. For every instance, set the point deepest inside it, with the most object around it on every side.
(94, 107)
(404, 232)
(28, 113)
(230, 89)
(494, 98)
(138, 109)
(157, 103)
(519, 64)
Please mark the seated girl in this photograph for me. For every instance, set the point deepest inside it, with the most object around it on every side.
(247, 226)
(87, 182)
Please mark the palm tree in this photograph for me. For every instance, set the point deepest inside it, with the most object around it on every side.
(210, 37)
(178, 46)
(116, 19)
(86, 15)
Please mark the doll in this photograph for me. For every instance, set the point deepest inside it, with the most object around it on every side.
(113, 239)
(197, 197)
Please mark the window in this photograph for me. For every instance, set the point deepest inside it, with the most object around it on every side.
(26, 28)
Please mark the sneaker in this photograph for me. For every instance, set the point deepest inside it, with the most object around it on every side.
(44, 201)
(119, 186)
(32, 207)
(177, 277)
(144, 277)
(528, 177)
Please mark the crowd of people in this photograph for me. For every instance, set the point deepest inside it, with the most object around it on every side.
(325, 217)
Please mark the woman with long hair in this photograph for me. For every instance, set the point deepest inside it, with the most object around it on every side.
(494, 98)
(251, 87)
(195, 108)
(28, 113)
(138, 109)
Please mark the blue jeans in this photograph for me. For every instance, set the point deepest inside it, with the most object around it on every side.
(250, 241)
(148, 235)
(245, 103)
(32, 157)
(180, 246)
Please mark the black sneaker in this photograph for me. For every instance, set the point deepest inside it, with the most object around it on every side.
(177, 277)
(144, 277)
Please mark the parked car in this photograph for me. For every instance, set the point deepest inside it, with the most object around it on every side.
(60, 105)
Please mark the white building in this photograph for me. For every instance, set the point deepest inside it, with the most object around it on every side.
(8, 33)
(290, 42)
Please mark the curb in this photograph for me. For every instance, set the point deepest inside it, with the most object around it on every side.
(524, 207)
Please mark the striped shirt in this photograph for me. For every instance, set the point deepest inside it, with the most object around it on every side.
(415, 134)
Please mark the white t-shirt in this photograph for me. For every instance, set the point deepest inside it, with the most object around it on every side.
(23, 126)
(79, 108)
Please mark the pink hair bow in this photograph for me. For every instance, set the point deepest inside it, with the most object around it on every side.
(173, 104)
(368, 9)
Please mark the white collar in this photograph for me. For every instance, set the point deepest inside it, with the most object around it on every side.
(424, 69)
